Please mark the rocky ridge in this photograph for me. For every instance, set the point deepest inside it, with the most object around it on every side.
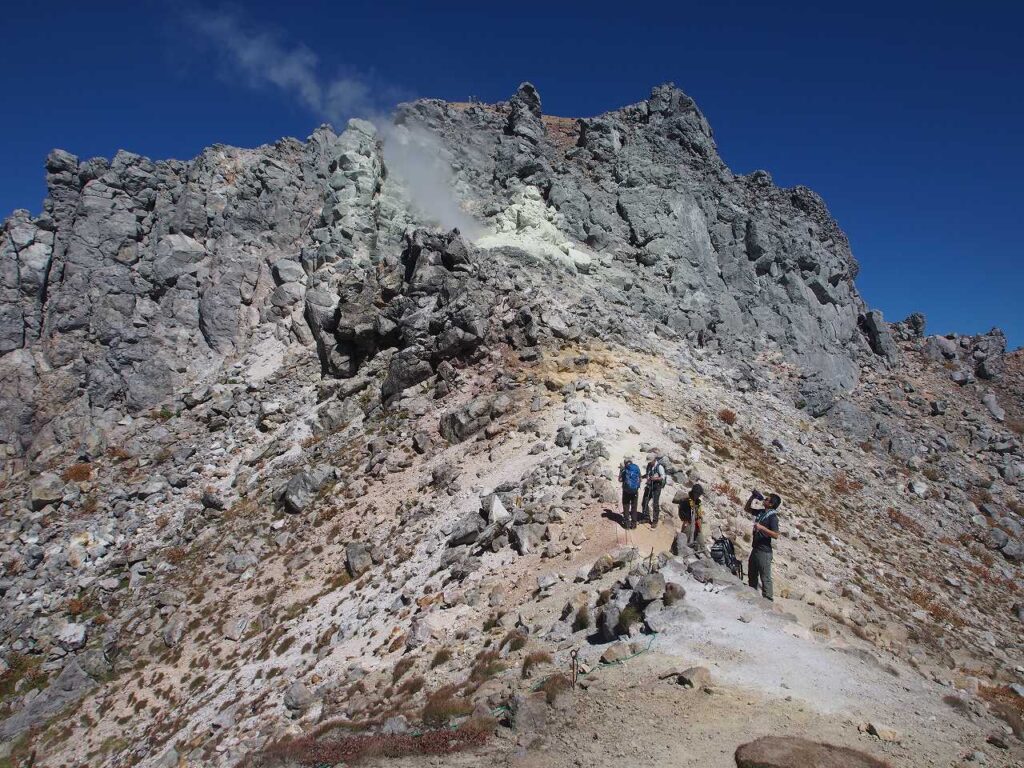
(275, 447)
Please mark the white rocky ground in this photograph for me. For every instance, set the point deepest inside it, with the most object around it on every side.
(254, 631)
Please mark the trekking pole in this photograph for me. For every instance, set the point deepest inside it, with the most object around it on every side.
(574, 666)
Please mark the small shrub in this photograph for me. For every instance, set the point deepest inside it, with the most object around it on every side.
(932, 473)
(1016, 426)
(581, 620)
(728, 492)
(515, 640)
(403, 666)
(411, 686)
(118, 453)
(555, 685)
(533, 659)
(492, 621)
(175, 555)
(77, 473)
(906, 522)
(442, 706)
(162, 414)
(728, 416)
(844, 485)
(486, 666)
(443, 656)
(629, 616)
(21, 667)
(76, 606)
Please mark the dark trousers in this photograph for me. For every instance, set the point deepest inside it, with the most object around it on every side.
(652, 497)
(759, 567)
(629, 507)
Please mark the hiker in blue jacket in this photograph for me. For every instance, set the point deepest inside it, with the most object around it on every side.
(629, 476)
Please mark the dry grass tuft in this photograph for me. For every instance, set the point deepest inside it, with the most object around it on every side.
(844, 485)
(444, 706)
(554, 686)
(905, 521)
(77, 473)
(728, 416)
(581, 620)
(534, 659)
(515, 640)
(348, 750)
(443, 656)
(403, 666)
(486, 666)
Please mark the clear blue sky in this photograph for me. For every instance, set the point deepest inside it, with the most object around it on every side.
(908, 118)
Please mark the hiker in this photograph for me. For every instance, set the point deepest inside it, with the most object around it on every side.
(629, 476)
(691, 509)
(655, 477)
(766, 528)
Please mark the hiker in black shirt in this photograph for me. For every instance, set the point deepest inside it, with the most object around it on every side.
(766, 528)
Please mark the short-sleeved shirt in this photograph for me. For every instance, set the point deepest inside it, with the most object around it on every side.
(770, 520)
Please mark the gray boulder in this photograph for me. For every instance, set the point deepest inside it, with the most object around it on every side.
(70, 685)
(47, 489)
(357, 559)
(303, 487)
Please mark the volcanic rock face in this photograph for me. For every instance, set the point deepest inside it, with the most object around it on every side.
(141, 277)
(284, 451)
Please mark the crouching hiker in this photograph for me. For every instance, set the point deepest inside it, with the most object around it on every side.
(655, 477)
(629, 476)
(691, 510)
(766, 528)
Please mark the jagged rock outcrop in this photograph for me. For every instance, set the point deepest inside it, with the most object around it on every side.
(141, 278)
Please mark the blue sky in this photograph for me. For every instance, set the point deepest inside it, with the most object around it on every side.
(906, 117)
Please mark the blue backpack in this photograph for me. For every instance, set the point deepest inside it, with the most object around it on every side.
(632, 477)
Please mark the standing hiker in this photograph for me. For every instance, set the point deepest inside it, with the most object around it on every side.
(655, 477)
(629, 476)
(766, 528)
(691, 509)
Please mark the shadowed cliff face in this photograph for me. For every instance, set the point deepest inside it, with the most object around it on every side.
(141, 278)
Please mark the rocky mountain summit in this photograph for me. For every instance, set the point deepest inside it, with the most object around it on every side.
(310, 457)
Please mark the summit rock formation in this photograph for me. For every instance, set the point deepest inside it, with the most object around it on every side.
(316, 442)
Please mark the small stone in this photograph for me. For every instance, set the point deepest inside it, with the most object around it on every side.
(615, 652)
(884, 733)
(297, 697)
(694, 677)
(71, 637)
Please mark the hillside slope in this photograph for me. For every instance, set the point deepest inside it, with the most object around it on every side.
(293, 472)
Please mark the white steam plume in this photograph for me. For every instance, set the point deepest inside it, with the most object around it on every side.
(415, 156)
(422, 163)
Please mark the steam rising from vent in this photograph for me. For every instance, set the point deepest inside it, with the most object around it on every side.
(423, 166)
(413, 155)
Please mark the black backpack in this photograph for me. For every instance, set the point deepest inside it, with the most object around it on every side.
(723, 552)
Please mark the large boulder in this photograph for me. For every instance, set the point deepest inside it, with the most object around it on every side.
(70, 686)
(463, 422)
(47, 489)
(357, 559)
(303, 487)
(794, 752)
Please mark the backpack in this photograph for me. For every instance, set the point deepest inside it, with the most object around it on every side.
(723, 552)
(632, 477)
